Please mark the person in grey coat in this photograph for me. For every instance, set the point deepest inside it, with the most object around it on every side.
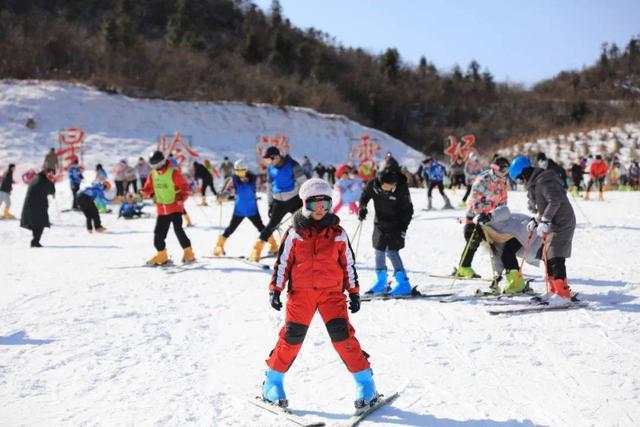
(555, 222)
(508, 236)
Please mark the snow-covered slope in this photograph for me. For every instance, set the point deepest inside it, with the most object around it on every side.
(121, 127)
(87, 337)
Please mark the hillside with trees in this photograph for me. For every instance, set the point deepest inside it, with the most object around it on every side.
(218, 50)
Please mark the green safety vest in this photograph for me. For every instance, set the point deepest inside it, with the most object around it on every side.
(163, 187)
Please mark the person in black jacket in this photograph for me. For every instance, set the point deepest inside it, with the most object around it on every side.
(35, 215)
(392, 202)
(200, 172)
(576, 176)
(5, 191)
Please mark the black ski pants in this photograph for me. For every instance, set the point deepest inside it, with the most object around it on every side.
(163, 222)
(508, 257)
(90, 211)
(236, 220)
(457, 181)
(434, 184)
(278, 210)
(207, 184)
(556, 268)
(74, 192)
(37, 234)
(473, 235)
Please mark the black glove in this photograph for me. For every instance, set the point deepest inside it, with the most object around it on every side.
(362, 213)
(483, 218)
(354, 303)
(274, 298)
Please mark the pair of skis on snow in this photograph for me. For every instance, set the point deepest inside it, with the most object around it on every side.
(352, 421)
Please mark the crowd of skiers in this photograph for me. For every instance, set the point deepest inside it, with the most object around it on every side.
(315, 262)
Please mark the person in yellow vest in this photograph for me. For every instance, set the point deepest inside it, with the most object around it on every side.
(170, 190)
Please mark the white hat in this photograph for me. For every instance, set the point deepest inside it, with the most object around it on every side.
(239, 164)
(315, 187)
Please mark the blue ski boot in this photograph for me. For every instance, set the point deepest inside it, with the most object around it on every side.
(403, 287)
(273, 388)
(366, 393)
(380, 286)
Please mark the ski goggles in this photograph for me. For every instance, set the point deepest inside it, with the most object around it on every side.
(313, 203)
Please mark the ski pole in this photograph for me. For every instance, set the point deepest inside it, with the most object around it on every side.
(580, 209)
(464, 255)
(526, 251)
(546, 267)
(220, 221)
(357, 240)
(488, 241)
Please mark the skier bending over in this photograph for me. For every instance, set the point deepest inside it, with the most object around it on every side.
(488, 191)
(316, 263)
(88, 198)
(509, 237)
(555, 223)
(170, 191)
(246, 204)
(392, 202)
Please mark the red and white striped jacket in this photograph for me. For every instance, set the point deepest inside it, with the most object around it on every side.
(315, 256)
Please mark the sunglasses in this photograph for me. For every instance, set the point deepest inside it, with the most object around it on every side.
(313, 203)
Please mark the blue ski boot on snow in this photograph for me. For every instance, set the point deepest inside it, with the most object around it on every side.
(366, 393)
(380, 287)
(403, 287)
(273, 388)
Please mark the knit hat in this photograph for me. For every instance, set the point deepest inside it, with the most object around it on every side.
(315, 187)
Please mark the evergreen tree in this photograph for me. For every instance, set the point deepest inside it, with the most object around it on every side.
(391, 64)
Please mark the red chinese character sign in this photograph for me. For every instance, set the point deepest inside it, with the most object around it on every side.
(365, 155)
(178, 147)
(71, 146)
(456, 149)
(280, 141)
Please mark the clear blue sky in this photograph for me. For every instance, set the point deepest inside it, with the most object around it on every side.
(519, 41)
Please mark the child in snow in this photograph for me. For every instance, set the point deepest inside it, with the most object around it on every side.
(555, 223)
(435, 172)
(350, 187)
(243, 183)
(509, 237)
(75, 178)
(6, 185)
(101, 174)
(130, 209)
(317, 265)
(488, 191)
(394, 210)
(170, 191)
(88, 201)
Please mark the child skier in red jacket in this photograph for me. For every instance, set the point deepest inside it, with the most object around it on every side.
(316, 263)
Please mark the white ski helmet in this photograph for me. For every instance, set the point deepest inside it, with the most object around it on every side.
(315, 187)
(240, 165)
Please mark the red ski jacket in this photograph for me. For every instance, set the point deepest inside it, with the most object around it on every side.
(315, 256)
(598, 169)
(181, 187)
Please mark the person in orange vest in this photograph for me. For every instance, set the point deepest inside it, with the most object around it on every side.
(597, 172)
(170, 190)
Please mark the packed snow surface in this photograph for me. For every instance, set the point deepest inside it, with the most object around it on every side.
(90, 337)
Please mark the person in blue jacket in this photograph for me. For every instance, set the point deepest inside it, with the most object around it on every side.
(246, 204)
(129, 209)
(75, 178)
(284, 178)
(436, 172)
(88, 198)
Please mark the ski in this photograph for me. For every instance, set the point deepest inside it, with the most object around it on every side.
(537, 307)
(243, 259)
(415, 294)
(285, 413)
(358, 417)
(450, 276)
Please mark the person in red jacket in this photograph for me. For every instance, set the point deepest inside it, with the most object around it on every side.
(169, 190)
(597, 172)
(316, 263)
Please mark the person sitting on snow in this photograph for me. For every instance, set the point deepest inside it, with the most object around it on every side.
(316, 265)
(130, 209)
